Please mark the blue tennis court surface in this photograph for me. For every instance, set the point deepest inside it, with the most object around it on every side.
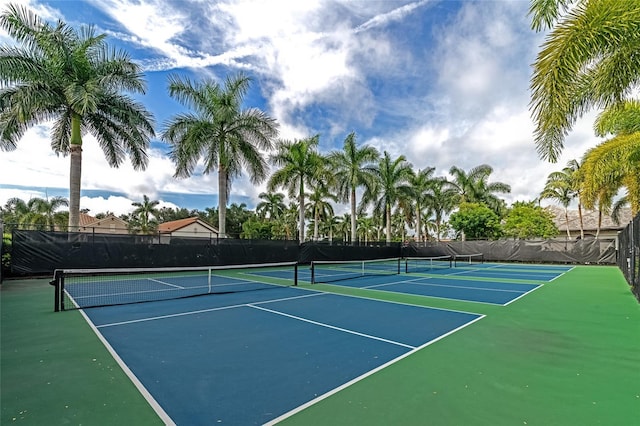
(252, 357)
(457, 283)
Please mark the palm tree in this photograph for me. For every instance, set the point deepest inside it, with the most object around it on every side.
(391, 184)
(615, 163)
(143, 213)
(319, 207)
(300, 164)
(329, 226)
(38, 213)
(366, 228)
(228, 137)
(574, 176)
(558, 187)
(589, 59)
(442, 201)
(75, 79)
(271, 206)
(421, 184)
(353, 167)
(473, 187)
(343, 227)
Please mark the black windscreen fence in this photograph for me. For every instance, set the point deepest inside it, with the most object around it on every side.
(41, 252)
(629, 254)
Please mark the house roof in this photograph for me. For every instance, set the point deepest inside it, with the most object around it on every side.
(90, 221)
(174, 225)
(589, 219)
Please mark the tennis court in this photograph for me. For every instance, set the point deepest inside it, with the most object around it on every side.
(492, 283)
(546, 350)
(247, 357)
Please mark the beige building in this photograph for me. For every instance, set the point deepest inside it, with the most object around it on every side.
(107, 225)
(191, 227)
(590, 218)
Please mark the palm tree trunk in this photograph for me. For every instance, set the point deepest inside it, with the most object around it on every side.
(301, 214)
(353, 214)
(222, 201)
(388, 211)
(566, 218)
(418, 225)
(75, 174)
(599, 223)
(581, 225)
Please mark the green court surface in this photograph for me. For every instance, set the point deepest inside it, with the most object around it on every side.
(566, 354)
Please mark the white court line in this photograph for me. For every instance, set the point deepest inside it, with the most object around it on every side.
(522, 295)
(134, 379)
(321, 324)
(365, 375)
(201, 311)
(446, 285)
(162, 282)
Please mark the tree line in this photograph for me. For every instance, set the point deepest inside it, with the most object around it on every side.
(75, 79)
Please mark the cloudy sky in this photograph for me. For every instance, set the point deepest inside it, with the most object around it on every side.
(442, 82)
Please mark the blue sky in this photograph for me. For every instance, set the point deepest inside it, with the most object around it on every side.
(442, 82)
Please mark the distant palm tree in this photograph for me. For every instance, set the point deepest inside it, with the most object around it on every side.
(366, 228)
(473, 187)
(228, 137)
(353, 167)
(75, 79)
(299, 164)
(38, 213)
(391, 184)
(318, 206)
(442, 200)
(559, 187)
(144, 215)
(421, 191)
(344, 227)
(589, 59)
(271, 206)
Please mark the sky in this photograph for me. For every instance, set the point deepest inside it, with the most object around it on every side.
(444, 83)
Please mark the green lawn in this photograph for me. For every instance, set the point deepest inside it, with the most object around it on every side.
(566, 354)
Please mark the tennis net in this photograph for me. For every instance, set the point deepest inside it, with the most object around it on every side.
(331, 271)
(85, 288)
(425, 264)
(468, 259)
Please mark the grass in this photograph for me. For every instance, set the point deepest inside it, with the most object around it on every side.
(568, 353)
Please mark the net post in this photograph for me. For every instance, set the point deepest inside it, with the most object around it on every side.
(313, 275)
(209, 280)
(295, 274)
(398, 266)
(55, 282)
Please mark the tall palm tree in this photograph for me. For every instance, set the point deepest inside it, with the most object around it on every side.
(421, 184)
(228, 137)
(143, 213)
(353, 167)
(75, 79)
(391, 184)
(589, 59)
(299, 164)
(271, 206)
